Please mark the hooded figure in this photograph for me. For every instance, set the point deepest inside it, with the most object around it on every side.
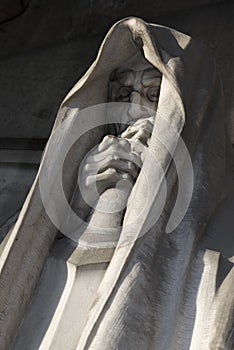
(169, 282)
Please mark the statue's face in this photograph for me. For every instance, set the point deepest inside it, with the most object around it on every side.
(139, 87)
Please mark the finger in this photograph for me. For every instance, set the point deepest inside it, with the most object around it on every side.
(143, 136)
(147, 128)
(147, 122)
(131, 165)
(143, 127)
(121, 165)
(131, 130)
(103, 145)
(106, 142)
(109, 145)
(109, 175)
(110, 178)
(138, 147)
(125, 155)
(97, 155)
(115, 151)
(90, 168)
(109, 140)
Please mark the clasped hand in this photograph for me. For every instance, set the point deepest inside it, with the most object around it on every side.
(114, 159)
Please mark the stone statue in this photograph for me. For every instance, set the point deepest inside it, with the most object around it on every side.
(156, 272)
(137, 82)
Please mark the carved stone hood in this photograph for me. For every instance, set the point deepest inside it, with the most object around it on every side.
(154, 293)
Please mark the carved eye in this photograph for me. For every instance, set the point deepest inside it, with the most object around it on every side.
(123, 94)
(153, 93)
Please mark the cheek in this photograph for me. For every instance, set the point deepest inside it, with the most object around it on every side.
(147, 103)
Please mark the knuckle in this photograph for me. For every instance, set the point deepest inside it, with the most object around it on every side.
(127, 177)
(131, 128)
(108, 138)
(124, 143)
(89, 181)
(115, 157)
(109, 158)
(87, 167)
(142, 132)
(113, 149)
(111, 172)
(130, 165)
(136, 143)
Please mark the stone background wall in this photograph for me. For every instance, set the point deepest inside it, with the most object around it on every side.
(47, 45)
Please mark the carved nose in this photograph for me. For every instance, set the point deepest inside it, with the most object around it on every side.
(135, 110)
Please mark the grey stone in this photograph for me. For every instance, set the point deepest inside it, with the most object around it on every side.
(165, 286)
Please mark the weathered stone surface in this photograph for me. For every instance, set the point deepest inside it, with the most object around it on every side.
(44, 52)
(16, 177)
(169, 281)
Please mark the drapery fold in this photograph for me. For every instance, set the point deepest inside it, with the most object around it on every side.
(151, 294)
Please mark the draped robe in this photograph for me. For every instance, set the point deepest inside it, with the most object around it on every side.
(162, 289)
